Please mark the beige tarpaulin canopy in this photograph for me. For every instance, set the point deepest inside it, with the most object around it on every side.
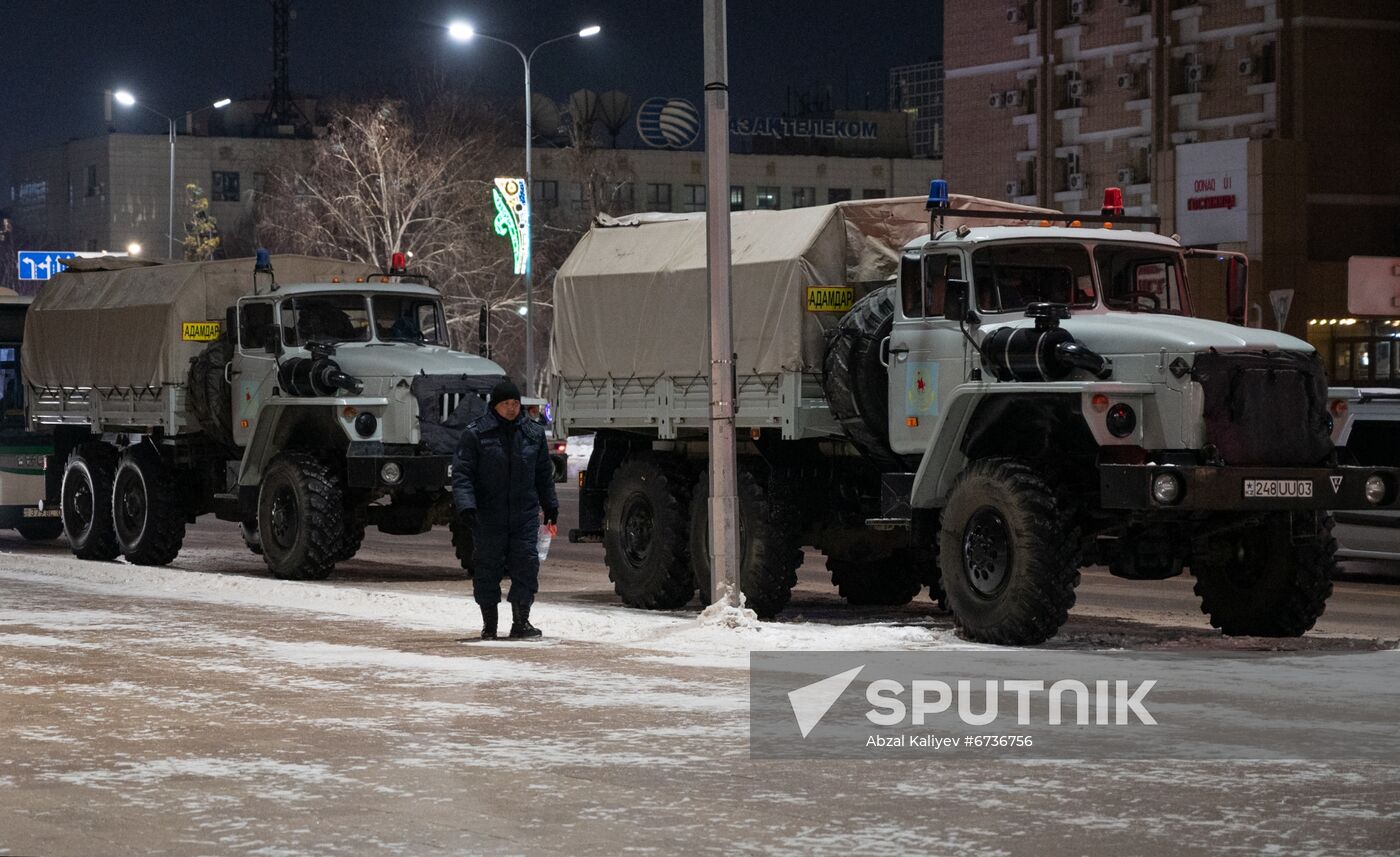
(124, 327)
(632, 298)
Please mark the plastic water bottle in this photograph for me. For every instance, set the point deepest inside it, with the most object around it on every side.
(546, 535)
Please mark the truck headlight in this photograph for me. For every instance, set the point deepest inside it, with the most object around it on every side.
(366, 423)
(391, 473)
(1376, 489)
(1166, 488)
(1121, 420)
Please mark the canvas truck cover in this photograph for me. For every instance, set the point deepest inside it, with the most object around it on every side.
(632, 298)
(125, 328)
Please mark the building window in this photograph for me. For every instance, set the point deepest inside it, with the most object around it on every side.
(546, 194)
(91, 180)
(803, 197)
(694, 199)
(873, 193)
(658, 197)
(767, 197)
(838, 194)
(223, 186)
(736, 197)
(576, 196)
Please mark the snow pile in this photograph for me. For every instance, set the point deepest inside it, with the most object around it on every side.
(723, 615)
(721, 637)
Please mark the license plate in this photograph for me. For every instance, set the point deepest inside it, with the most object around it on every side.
(1285, 488)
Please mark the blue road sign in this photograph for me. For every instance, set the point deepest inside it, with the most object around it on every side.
(42, 264)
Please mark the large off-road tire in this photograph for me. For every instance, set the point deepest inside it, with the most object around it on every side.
(1260, 581)
(464, 546)
(889, 582)
(769, 549)
(646, 530)
(856, 382)
(211, 395)
(251, 537)
(146, 512)
(355, 517)
(87, 501)
(301, 517)
(41, 529)
(1009, 550)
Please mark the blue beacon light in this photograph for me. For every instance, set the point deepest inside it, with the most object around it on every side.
(937, 194)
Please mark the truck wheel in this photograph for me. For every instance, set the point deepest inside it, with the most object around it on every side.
(251, 538)
(87, 501)
(889, 582)
(856, 382)
(645, 533)
(464, 545)
(1009, 552)
(769, 554)
(146, 513)
(1261, 582)
(300, 517)
(211, 396)
(42, 530)
(355, 518)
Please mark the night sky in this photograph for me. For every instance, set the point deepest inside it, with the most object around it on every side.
(57, 56)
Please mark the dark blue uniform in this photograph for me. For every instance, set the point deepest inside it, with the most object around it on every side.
(503, 471)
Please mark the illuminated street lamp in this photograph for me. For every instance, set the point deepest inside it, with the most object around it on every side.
(461, 31)
(133, 249)
(126, 99)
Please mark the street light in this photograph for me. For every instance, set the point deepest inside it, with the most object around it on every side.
(461, 31)
(133, 249)
(126, 99)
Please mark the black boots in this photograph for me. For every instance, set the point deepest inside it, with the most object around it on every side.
(520, 627)
(489, 618)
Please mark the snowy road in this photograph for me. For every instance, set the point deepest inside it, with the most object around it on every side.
(206, 709)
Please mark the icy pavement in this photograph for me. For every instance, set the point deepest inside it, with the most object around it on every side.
(169, 711)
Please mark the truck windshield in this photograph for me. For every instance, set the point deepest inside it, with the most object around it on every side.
(1007, 278)
(325, 318)
(1140, 279)
(398, 318)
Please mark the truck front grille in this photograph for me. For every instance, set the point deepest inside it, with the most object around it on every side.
(1265, 407)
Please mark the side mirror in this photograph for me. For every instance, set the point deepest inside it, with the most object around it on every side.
(955, 300)
(1236, 290)
(272, 339)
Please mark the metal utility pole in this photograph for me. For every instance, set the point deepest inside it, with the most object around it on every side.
(724, 500)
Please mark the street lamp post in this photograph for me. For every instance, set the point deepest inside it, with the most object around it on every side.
(460, 31)
(126, 99)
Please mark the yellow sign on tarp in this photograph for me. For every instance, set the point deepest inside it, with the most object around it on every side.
(830, 298)
(201, 331)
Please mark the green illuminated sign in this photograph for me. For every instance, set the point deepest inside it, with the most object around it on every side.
(513, 219)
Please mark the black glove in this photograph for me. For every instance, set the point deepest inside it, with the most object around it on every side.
(466, 519)
(551, 515)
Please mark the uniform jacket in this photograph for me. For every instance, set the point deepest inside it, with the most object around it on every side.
(506, 476)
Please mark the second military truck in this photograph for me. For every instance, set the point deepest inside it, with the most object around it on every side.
(951, 393)
(305, 403)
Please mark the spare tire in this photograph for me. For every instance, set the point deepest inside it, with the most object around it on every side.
(211, 395)
(856, 382)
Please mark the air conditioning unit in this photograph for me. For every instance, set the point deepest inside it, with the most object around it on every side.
(1248, 67)
(1015, 98)
(996, 99)
(1132, 7)
(1015, 14)
(1078, 9)
(1014, 189)
(1127, 80)
(1127, 176)
(1076, 181)
(1078, 89)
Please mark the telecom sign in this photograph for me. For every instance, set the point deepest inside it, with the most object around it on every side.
(668, 123)
(42, 264)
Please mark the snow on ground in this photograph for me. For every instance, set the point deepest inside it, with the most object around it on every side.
(677, 637)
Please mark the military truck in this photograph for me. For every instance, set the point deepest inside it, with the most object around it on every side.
(304, 401)
(952, 393)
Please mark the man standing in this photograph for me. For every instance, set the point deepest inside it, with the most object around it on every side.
(502, 479)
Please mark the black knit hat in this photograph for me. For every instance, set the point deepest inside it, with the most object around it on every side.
(504, 392)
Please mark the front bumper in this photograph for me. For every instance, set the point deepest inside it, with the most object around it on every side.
(416, 471)
(1129, 486)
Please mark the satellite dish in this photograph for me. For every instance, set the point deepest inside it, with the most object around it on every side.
(614, 111)
(544, 113)
(583, 112)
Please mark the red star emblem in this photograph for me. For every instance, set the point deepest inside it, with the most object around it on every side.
(921, 384)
